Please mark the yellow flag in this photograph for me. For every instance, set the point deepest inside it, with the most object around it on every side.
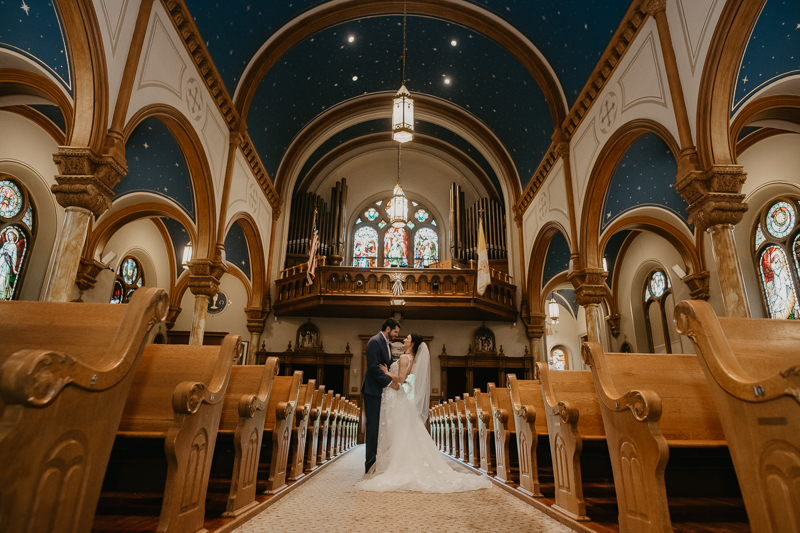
(484, 273)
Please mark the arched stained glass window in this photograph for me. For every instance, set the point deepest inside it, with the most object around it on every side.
(377, 244)
(365, 247)
(426, 248)
(129, 278)
(395, 248)
(558, 359)
(657, 291)
(17, 214)
(777, 257)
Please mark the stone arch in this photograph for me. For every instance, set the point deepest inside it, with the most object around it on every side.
(536, 264)
(258, 269)
(782, 107)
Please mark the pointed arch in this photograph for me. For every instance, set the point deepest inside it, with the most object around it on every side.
(15, 81)
(537, 261)
(199, 170)
(255, 247)
(600, 178)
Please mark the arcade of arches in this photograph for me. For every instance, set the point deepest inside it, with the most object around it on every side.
(621, 158)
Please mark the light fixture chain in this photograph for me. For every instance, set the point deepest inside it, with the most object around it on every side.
(404, 42)
(399, 147)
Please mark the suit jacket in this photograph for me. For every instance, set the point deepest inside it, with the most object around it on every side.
(377, 354)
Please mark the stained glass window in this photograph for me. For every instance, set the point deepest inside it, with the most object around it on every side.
(759, 237)
(13, 246)
(371, 214)
(778, 284)
(415, 204)
(395, 248)
(646, 294)
(410, 225)
(433, 223)
(28, 218)
(421, 215)
(358, 222)
(382, 224)
(379, 202)
(780, 219)
(129, 278)
(426, 248)
(365, 247)
(657, 284)
(558, 359)
(10, 199)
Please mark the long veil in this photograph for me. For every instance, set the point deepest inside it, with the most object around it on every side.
(422, 382)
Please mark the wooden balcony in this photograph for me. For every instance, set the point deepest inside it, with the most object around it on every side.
(432, 293)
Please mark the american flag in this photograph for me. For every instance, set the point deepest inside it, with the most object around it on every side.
(312, 253)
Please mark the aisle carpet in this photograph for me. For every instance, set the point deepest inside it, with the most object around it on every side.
(329, 502)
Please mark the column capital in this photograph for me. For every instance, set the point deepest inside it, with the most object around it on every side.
(88, 270)
(651, 7)
(86, 179)
(534, 325)
(698, 285)
(714, 195)
(172, 316)
(204, 276)
(613, 324)
(589, 284)
(256, 316)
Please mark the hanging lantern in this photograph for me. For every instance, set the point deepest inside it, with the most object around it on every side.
(403, 116)
(187, 255)
(398, 210)
(552, 307)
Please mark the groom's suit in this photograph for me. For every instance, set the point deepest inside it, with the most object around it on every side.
(375, 380)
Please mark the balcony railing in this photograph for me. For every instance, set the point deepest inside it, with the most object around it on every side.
(431, 293)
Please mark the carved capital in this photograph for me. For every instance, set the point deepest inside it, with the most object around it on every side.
(534, 325)
(589, 284)
(613, 324)
(172, 316)
(561, 149)
(85, 179)
(204, 276)
(714, 196)
(88, 271)
(698, 285)
(654, 6)
(256, 316)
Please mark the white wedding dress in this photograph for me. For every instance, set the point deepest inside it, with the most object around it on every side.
(408, 459)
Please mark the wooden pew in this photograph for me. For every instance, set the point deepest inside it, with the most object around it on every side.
(431, 426)
(530, 422)
(241, 429)
(333, 426)
(752, 367)
(446, 433)
(341, 422)
(176, 398)
(472, 431)
(463, 453)
(452, 417)
(297, 447)
(649, 404)
(573, 416)
(314, 420)
(485, 432)
(435, 426)
(505, 435)
(273, 460)
(322, 453)
(348, 418)
(65, 372)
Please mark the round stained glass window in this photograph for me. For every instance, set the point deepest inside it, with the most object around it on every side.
(371, 214)
(658, 283)
(130, 271)
(421, 215)
(780, 219)
(10, 199)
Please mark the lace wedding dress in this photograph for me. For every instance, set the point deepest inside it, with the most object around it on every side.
(408, 459)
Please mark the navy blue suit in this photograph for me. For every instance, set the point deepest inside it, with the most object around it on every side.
(375, 380)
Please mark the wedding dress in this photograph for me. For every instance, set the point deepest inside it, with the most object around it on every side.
(408, 459)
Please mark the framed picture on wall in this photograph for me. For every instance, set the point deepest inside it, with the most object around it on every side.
(242, 359)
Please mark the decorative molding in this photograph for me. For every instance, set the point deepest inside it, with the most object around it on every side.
(714, 196)
(256, 317)
(88, 270)
(114, 20)
(613, 324)
(158, 52)
(85, 179)
(651, 7)
(698, 285)
(260, 173)
(645, 64)
(589, 284)
(172, 316)
(204, 276)
(539, 177)
(693, 46)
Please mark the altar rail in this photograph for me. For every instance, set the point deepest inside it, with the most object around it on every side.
(355, 292)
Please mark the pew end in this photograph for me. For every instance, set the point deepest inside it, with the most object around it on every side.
(530, 422)
(312, 439)
(274, 457)
(485, 432)
(505, 435)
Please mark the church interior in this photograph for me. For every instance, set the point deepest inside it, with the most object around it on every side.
(590, 210)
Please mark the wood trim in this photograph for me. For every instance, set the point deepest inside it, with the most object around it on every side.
(257, 257)
(260, 173)
(626, 244)
(538, 179)
(173, 267)
(536, 265)
(14, 81)
(40, 120)
(718, 81)
(761, 108)
(464, 14)
(176, 295)
(237, 273)
(199, 170)
(756, 137)
(383, 137)
(600, 178)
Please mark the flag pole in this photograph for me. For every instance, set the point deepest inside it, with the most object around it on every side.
(312, 251)
(484, 277)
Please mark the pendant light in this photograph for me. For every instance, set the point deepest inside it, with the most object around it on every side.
(398, 210)
(403, 107)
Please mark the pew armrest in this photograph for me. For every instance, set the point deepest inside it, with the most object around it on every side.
(527, 413)
(284, 410)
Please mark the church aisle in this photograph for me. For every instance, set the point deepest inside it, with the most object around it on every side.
(329, 502)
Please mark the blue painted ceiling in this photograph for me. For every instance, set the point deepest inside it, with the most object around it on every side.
(773, 51)
(53, 113)
(557, 258)
(180, 238)
(156, 164)
(236, 251)
(644, 176)
(33, 28)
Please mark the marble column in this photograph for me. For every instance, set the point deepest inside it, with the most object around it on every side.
(729, 270)
(256, 316)
(590, 291)
(595, 322)
(251, 351)
(199, 319)
(68, 254)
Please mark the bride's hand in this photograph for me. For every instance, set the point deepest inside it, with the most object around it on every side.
(385, 369)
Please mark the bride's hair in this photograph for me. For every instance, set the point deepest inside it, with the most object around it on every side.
(416, 340)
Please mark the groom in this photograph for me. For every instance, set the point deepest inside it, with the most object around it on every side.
(379, 352)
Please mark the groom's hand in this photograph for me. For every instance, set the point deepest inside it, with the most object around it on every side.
(395, 386)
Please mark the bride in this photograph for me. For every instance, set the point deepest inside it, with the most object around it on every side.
(408, 459)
